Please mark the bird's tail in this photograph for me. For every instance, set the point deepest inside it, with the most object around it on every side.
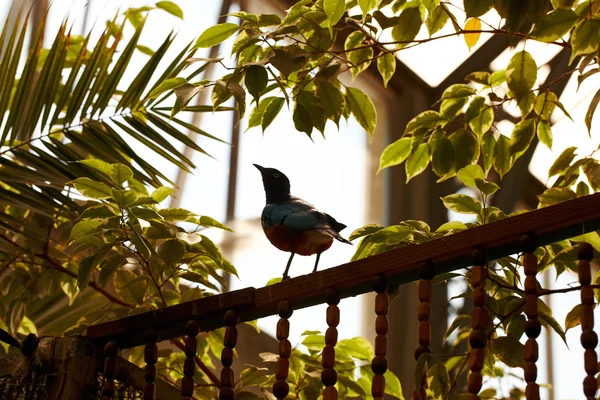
(341, 239)
(331, 232)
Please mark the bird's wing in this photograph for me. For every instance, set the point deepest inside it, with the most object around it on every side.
(293, 216)
(297, 214)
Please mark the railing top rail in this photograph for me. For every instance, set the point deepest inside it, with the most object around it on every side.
(499, 239)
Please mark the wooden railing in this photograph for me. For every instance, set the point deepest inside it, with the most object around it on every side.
(473, 247)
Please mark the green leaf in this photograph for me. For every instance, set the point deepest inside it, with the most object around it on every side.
(165, 86)
(562, 161)
(442, 157)
(458, 91)
(459, 321)
(555, 195)
(469, 174)
(521, 137)
(334, 9)
(161, 193)
(216, 34)
(392, 385)
(364, 231)
(526, 104)
(84, 272)
(450, 108)
(482, 122)
(502, 157)
(466, 148)
(175, 214)
(124, 197)
(521, 74)
(257, 113)
(363, 109)
(544, 133)
(91, 188)
(487, 188)
(99, 211)
(427, 119)
(480, 77)
(256, 80)
(120, 173)
(590, 112)
(98, 165)
(360, 58)
(439, 380)
(516, 327)
(129, 286)
(83, 228)
(332, 100)
(366, 5)
(271, 112)
(418, 161)
(476, 8)
(585, 38)
(358, 347)
(573, 318)
(314, 342)
(545, 104)
(408, 27)
(171, 8)
(452, 226)
(211, 222)
(386, 65)
(508, 350)
(395, 153)
(171, 251)
(302, 120)
(546, 318)
(462, 204)
(487, 150)
(554, 25)
(436, 20)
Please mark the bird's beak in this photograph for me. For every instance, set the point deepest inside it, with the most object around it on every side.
(261, 169)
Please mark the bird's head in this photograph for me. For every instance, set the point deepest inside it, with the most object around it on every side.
(277, 185)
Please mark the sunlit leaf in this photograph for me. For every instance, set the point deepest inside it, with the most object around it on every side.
(216, 34)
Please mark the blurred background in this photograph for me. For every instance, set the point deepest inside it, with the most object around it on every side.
(338, 173)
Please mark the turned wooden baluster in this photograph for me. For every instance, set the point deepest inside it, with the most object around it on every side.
(533, 327)
(329, 374)
(589, 338)
(426, 274)
(150, 357)
(281, 387)
(379, 363)
(227, 378)
(110, 364)
(189, 365)
(479, 321)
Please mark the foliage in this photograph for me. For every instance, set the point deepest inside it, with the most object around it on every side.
(295, 60)
(352, 357)
(80, 207)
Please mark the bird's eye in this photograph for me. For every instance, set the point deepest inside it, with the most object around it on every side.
(275, 175)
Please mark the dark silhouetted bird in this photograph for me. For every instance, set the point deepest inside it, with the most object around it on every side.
(292, 224)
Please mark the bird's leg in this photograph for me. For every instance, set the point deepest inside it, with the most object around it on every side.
(287, 268)
(317, 262)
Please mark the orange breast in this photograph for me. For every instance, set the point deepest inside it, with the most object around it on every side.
(305, 243)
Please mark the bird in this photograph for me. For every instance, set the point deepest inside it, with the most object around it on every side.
(292, 224)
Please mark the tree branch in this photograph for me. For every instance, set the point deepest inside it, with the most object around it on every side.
(57, 267)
